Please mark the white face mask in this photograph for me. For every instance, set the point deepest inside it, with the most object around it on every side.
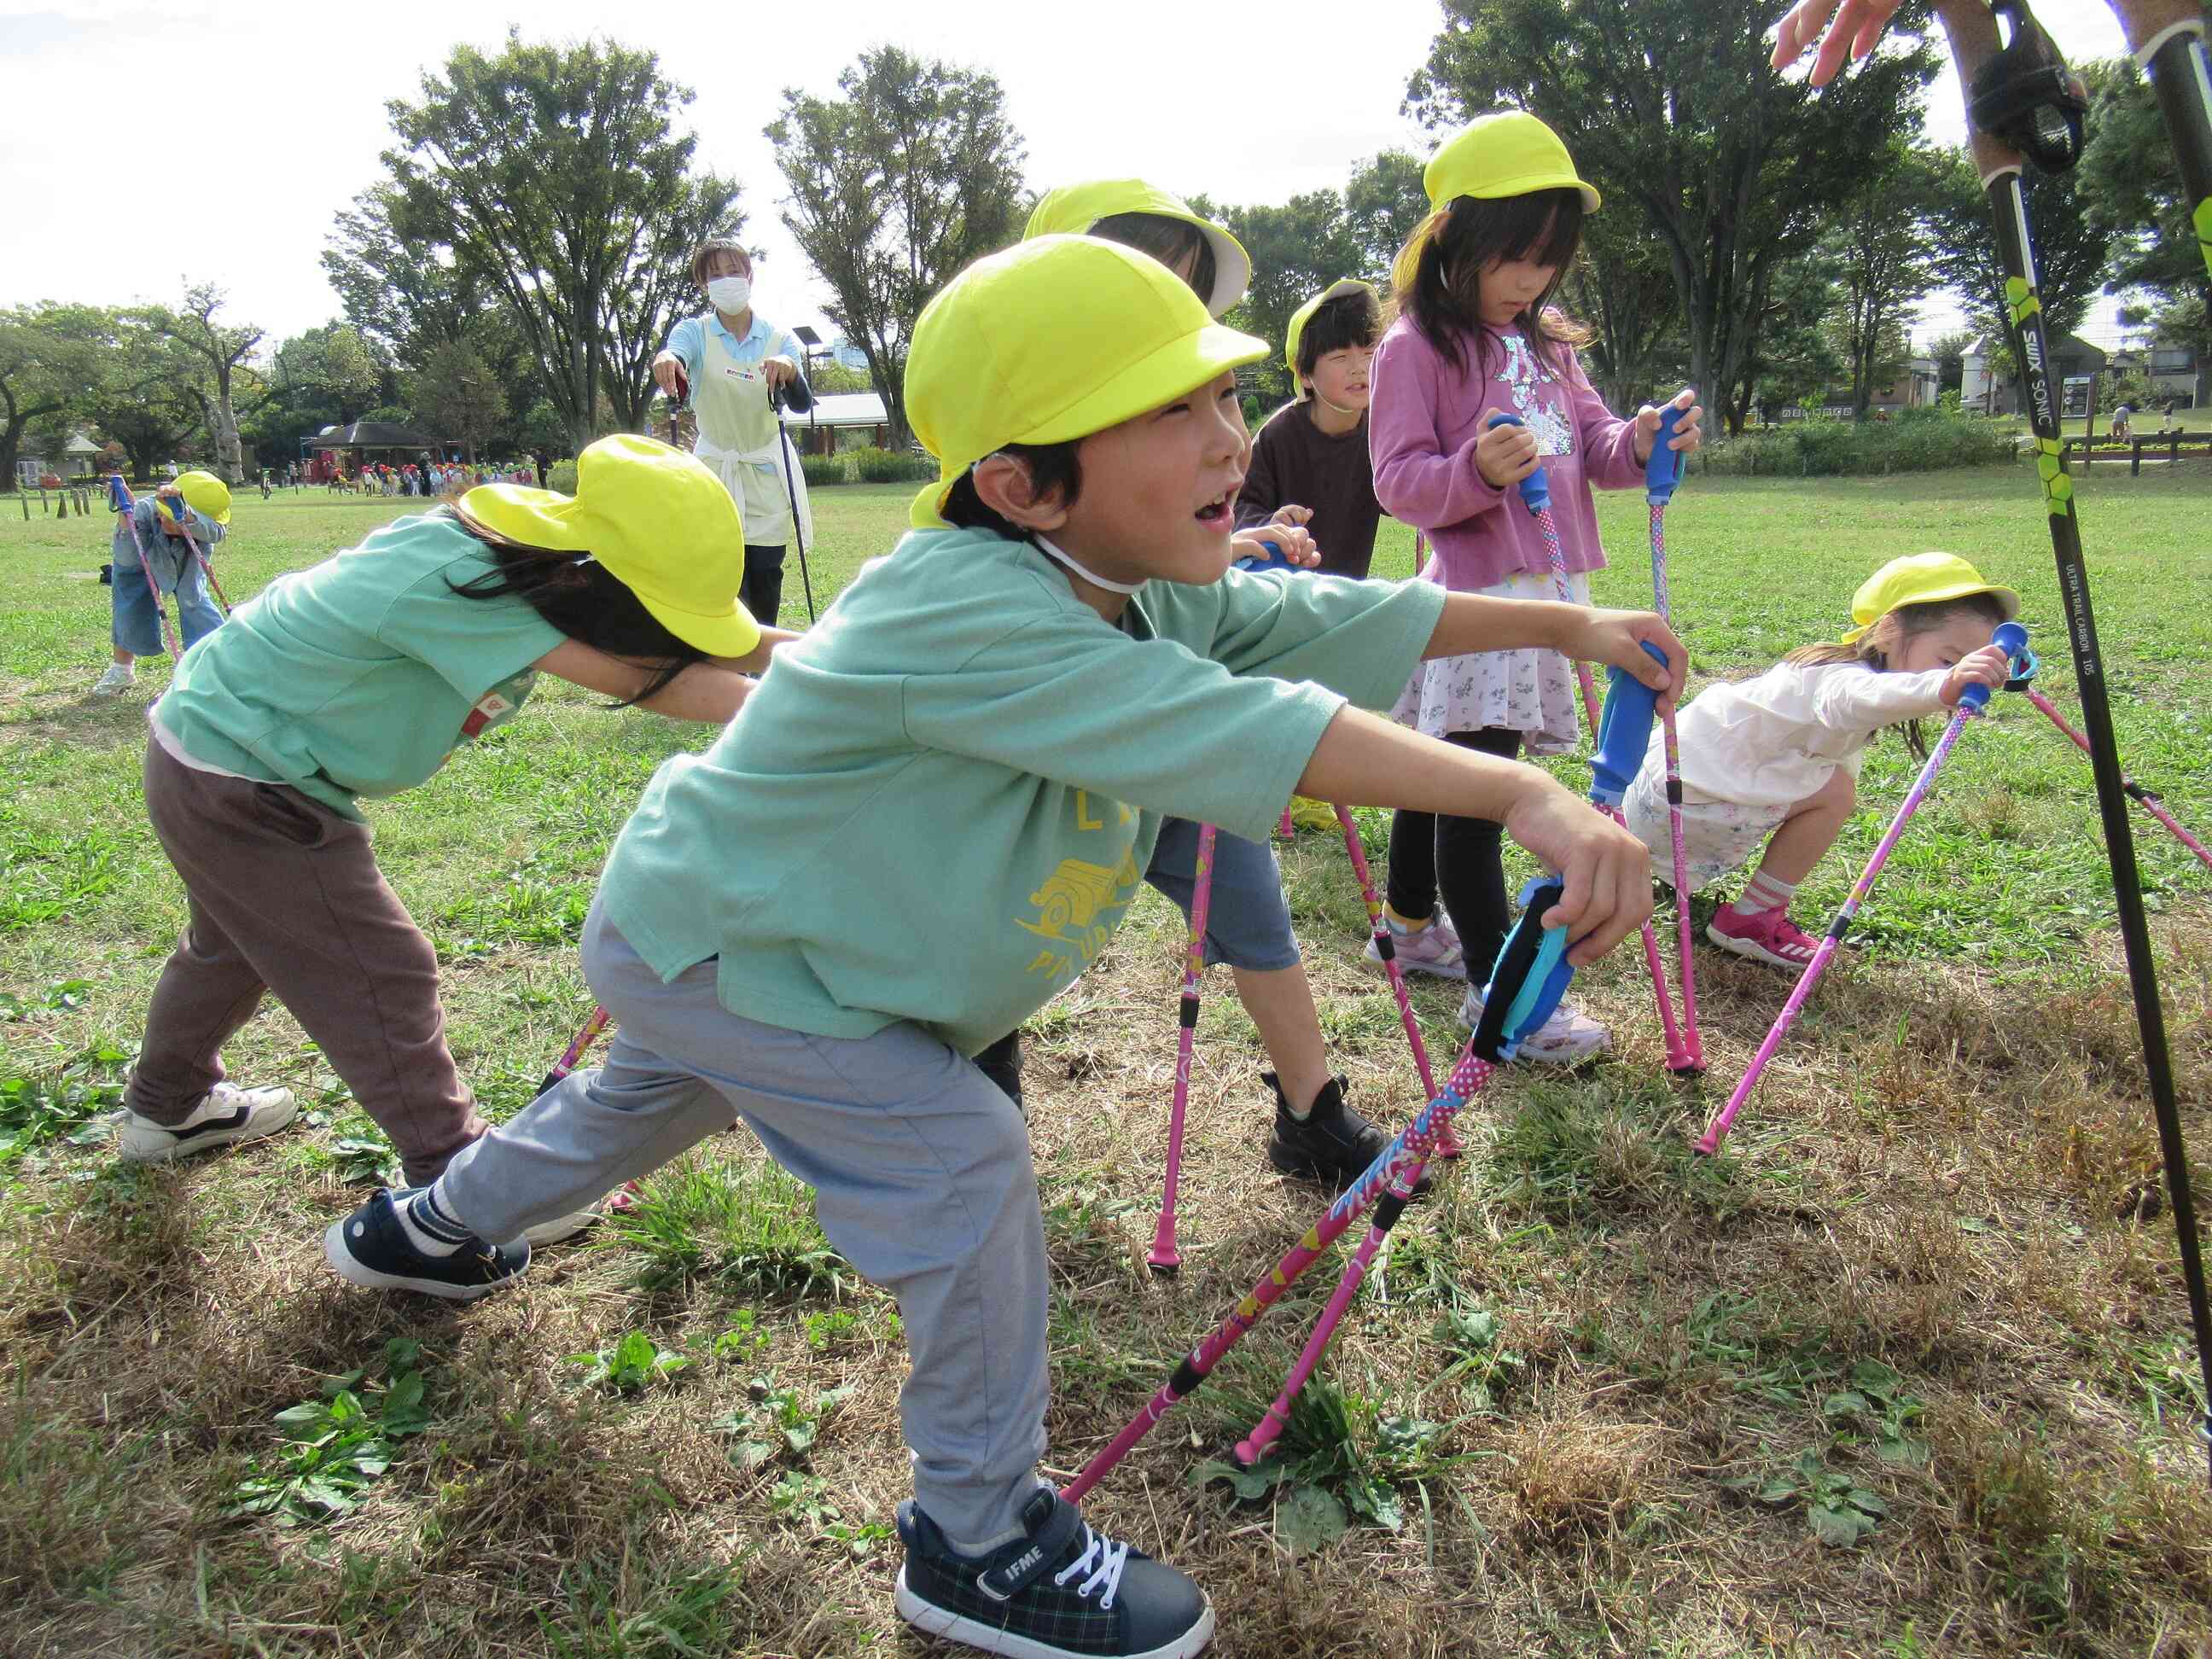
(730, 294)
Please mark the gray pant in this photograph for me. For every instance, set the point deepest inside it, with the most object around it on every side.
(922, 1179)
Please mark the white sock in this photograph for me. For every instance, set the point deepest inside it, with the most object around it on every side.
(428, 1224)
(1406, 926)
(1766, 892)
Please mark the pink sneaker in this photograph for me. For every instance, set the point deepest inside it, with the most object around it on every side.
(1769, 936)
(1434, 951)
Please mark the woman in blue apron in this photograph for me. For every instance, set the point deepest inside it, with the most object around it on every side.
(732, 359)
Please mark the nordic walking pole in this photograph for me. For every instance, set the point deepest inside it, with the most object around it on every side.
(1164, 1258)
(1531, 976)
(2148, 799)
(1661, 473)
(790, 490)
(2014, 638)
(575, 1051)
(207, 569)
(1536, 497)
(1624, 734)
(2040, 120)
(118, 495)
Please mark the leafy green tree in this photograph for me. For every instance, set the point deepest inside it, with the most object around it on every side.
(642, 314)
(1877, 246)
(50, 356)
(2129, 186)
(144, 395)
(1622, 288)
(457, 394)
(555, 174)
(405, 296)
(219, 358)
(913, 172)
(1949, 351)
(1384, 203)
(2072, 256)
(1669, 107)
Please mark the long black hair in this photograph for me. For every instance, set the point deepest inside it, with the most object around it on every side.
(1440, 272)
(576, 593)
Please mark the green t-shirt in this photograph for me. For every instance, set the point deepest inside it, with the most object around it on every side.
(359, 675)
(938, 804)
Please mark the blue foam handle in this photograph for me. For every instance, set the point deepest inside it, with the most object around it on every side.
(119, 493)
(1624, 732)
(1535, 488)
(1275, 560)
(1549, 973)
(1664, 469)
(2013, 639)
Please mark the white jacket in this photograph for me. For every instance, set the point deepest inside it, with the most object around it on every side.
(1774, 740)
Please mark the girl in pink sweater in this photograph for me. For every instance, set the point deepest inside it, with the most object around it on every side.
(1475, 337)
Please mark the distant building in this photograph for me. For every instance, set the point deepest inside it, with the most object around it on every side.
(841, 420)
(1919, 385)
(2180, 373)
(2072, 359)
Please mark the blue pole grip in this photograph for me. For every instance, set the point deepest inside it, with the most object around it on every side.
(1531, 976)
(1275, 561)
(119, 493)
(2013, 639)
(1535, 488)
(1624, 732)
(1664, 469)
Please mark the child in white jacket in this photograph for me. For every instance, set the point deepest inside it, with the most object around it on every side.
(1776, 759)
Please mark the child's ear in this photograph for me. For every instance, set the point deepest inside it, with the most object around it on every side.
(1006, 485)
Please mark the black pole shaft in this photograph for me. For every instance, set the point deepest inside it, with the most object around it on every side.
(2031, 350)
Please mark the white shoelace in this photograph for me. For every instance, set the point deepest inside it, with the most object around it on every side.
(1102, 1559)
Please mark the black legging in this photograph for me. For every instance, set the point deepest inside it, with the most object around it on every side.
(1429, 850)
(761, 589)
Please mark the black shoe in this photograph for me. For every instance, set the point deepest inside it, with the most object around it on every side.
(1331, 1144)
(369, 1247)
(1002, 1063)
(1059, 1588)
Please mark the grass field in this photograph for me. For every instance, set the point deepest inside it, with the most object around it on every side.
(1905, 1373)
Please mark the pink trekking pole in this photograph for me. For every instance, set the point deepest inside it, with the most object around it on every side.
(1531, 976)
(575, 1051)
(1660, 474)
(2014, 638)
(1536, 497)
(1164, 1258)
(207, 569)
(1380, 931)
(2148, 799)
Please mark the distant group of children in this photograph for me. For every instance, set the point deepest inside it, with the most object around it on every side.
(929, 815)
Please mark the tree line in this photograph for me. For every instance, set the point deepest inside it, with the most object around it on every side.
(507, 280)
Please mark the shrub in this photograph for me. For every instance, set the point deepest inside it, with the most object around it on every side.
(1917, 440)
(561, 476)
(821, 470)
(890, 466)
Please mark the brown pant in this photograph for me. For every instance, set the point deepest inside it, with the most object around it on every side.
(286, 897)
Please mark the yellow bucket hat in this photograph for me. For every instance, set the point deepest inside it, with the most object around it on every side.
(1305, 314)
(1052, 340)
(1072, 210)
(1497, 156)
(206, 495)
(658, 521)
(1921, 579)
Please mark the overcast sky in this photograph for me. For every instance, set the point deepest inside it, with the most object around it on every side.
(268, 119)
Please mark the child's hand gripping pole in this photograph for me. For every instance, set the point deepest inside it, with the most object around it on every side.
(1661, 473)
(1532, 974)
(1164, 1258)
(119, 498)
(2013, 640)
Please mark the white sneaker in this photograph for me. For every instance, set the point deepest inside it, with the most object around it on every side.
(228, 1115)
(563, 1227)
(1434, 950)
(1568, 1038)
(118, 678)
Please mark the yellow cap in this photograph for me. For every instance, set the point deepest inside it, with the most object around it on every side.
(1921, 579)
(1072, 209)
(1305, 314)
(660, 523)
(206, 495)
(1510, 155)
(1052, 340)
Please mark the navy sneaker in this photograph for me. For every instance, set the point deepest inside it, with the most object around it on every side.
(1060, 1588)
(369, 1247)
(1331, 1144)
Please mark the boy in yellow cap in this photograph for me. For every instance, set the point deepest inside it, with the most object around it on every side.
(162, 526)
(357, 678)
(1776, 759)
(947, 796)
